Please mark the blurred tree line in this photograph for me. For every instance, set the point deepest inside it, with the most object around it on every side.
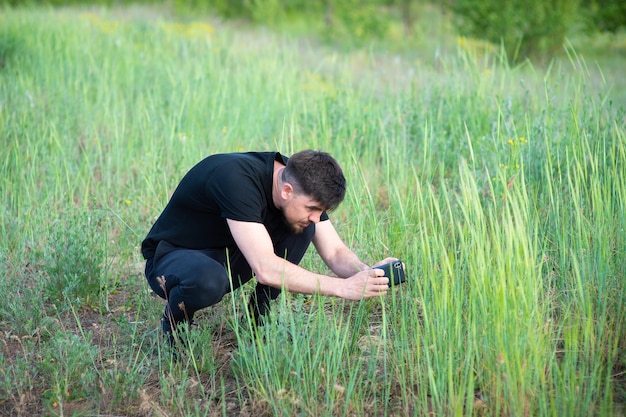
(524, 28)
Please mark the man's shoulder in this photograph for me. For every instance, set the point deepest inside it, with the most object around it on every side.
(249, 155)
(213, 164)
(238, 174)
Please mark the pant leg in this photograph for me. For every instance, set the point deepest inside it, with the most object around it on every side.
(194, 279)
(188, 279)
(291, 247)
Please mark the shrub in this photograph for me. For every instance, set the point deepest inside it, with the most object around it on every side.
(526, 29)
(74, 260)
(67, 362)
(607, 15)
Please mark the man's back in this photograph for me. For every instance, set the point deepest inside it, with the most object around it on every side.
(236, 186)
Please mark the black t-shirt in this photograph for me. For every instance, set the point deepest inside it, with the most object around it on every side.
(235, 186)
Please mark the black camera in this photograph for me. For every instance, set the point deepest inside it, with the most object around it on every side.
(394, 271)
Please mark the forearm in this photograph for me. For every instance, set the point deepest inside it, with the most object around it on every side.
(337, 256)
(278, 273)
(346, 263)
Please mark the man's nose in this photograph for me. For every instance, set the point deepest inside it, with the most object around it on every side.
(315, 217)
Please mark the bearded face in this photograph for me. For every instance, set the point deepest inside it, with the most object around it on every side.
(299, 211)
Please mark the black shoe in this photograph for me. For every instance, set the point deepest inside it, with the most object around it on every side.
(259, 303)
(166, 327)
(172, 333)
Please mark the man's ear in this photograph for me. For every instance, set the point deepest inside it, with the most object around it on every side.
(286, 191)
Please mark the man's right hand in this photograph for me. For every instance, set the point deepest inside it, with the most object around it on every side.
(364, 284)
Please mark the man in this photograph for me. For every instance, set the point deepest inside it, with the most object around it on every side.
(238, 215)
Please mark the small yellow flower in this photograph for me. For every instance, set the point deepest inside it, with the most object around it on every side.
(523, 140)
(127, 201)
(510, 141)
(224, 130)
(516, 166)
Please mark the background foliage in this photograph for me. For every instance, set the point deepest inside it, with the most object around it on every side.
(533, 29)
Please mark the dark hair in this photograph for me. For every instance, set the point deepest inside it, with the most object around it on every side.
(317, 175)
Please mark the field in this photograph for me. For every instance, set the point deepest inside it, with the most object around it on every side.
(502, 189)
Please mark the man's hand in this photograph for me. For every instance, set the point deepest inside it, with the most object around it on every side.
(364, 284)
(386, 261)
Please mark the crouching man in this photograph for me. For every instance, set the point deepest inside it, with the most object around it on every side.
(252, 215)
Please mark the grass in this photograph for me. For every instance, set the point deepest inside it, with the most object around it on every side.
(502, 189)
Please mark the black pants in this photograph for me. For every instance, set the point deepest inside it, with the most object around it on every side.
(195, 279)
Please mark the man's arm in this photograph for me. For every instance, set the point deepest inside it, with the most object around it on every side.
(339, 258)
(256, 246)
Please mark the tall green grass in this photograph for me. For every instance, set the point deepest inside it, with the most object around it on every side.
(501, 188)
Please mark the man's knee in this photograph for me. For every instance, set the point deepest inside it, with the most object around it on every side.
(209, 285)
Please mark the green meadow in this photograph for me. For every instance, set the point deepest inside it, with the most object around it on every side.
(501, 187)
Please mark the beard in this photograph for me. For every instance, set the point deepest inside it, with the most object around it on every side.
(294, 228)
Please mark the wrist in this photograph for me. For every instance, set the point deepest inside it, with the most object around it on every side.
(339, 291)
(330, 286)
